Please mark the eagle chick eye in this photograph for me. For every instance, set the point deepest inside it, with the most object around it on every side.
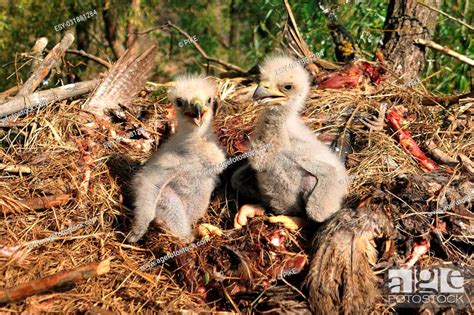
(179, 102)
(209, 100)
(287, 87)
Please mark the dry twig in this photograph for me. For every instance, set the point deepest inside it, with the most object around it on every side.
(21, 169)
(82, 53)
(439, 155)
(55, 281)
(38, 203)
(204, 54)
(446, 50)
(446, 100)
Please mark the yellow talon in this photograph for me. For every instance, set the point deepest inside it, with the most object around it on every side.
(290, 223)
(245, 212)
(206, 230)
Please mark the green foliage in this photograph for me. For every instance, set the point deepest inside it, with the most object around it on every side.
(237, 31)
(22, 23)
(448, 74)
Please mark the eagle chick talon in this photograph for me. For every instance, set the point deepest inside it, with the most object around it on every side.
(289, 223)
(245, 212)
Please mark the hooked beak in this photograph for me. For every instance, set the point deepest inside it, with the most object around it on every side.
(264, 94)
(196, 111)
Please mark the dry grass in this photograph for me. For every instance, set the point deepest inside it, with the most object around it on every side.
(56, 144)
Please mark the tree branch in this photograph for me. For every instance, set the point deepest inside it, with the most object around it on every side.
(203, 53)
(82, 53)
(38, 99)
(445, 50)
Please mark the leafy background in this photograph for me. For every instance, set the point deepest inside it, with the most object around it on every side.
(238, 31)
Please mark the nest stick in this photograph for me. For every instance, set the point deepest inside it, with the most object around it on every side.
(439, 155)
(38, 203)
(55, 281)
(37, 53)
(446, 50)
(96, 59)
(21, 169)
(42, 70)
(42, 98)
(9, 92)
(445, 100)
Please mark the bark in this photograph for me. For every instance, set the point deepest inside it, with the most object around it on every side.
(407, 20)
(132, 27)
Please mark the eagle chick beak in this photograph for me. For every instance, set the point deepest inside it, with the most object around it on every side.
(265, 94)
(196, 111)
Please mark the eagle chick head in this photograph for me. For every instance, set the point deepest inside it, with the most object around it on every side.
(193, 97)
(284, 83)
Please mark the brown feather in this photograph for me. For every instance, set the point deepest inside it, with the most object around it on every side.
(340, 277)
(122, 83)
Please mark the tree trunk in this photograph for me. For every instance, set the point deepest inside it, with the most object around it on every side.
(111, 30)
(406, 20)
(132, 28)
(234, 34)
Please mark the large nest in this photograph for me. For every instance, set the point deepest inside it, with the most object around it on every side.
(238, 272)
